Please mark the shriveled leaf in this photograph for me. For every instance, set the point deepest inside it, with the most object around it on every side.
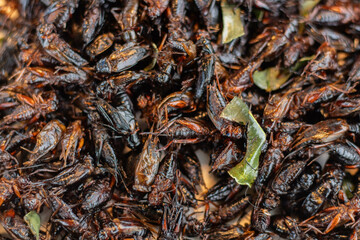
(246, 171)
(34, 222)
(259, 14)
(270, 79)
(306, 6)
(2, 38)
(154, 59)
(232, 24)
(306, 59)
(302, 62)
(348, 186)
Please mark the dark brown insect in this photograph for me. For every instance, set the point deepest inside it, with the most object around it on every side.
(123, 58)
(31, 109)
(147, 165)
(227, 212)
(56, 47)
(329, 184)
(164, 179)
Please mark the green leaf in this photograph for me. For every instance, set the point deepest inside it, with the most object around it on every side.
(348, 186)
(2, 38)
(306, 59)
(306, 6)
(34, 222)
(232, 25)
(270, 79)
(259, 14)
(301, 63)
(154, 59)
(236, 111)
(246, 171)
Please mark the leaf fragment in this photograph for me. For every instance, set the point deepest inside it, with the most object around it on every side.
(271, 78)
(154, 59)
(348, 186)
(2, 38)
(246, 171)
(232, 24)
(306, 6)
(301, 63)
(34, 222)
